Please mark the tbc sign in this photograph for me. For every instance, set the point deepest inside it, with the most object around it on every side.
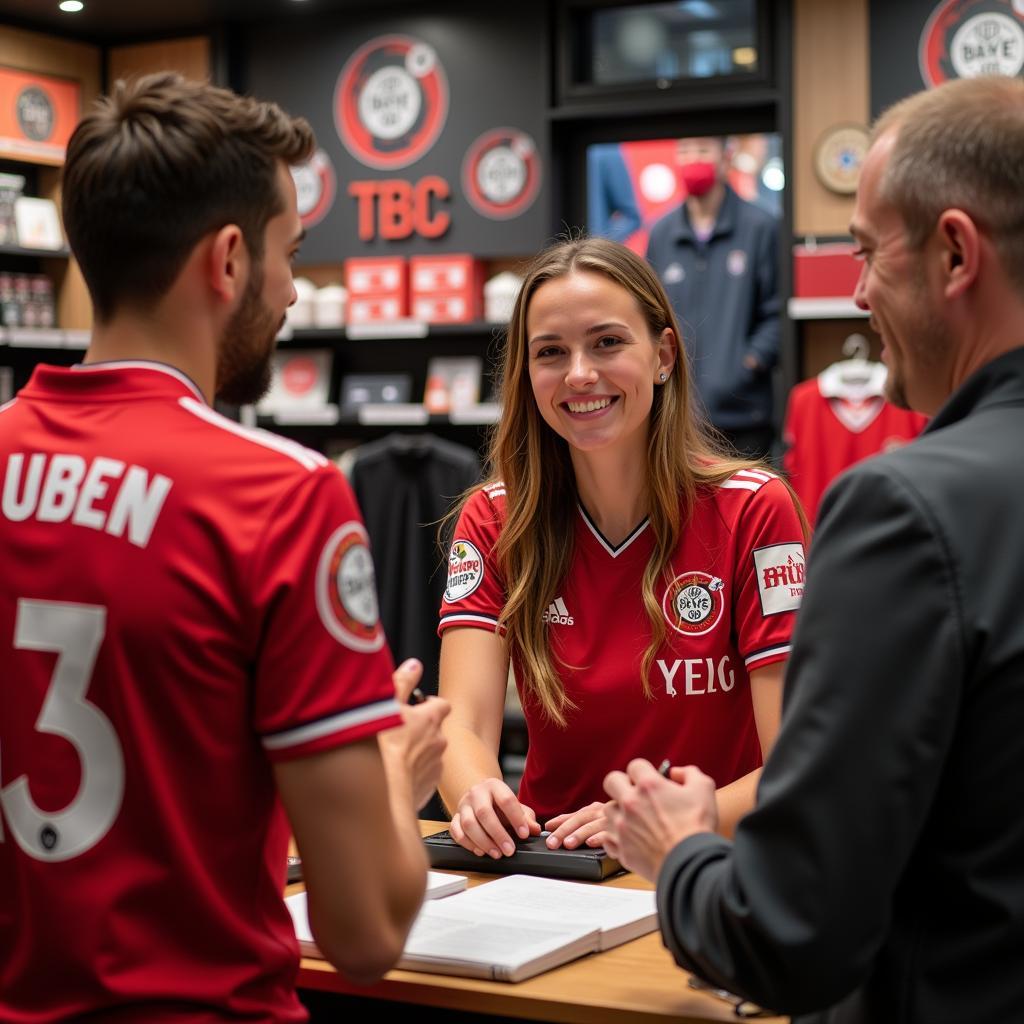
(395, 208)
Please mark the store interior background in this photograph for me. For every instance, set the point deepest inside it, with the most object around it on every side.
(506, 65)
(816, 65)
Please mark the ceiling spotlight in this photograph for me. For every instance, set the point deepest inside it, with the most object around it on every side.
(71, 6)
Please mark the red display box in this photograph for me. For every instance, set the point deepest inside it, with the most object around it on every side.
(375, 309)
(378, 289)
(828, 270)
(376, 275)
(446, 288)
(457, 308)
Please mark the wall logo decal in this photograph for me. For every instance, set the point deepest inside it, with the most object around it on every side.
(501, 173)
(967, 38)
(36, 115)
(391, 101)
(315, 186)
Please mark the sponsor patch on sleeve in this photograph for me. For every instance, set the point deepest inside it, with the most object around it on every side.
(780, 577)
(346, 590)
(465, 571)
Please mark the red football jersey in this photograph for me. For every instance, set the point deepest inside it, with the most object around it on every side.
(183, 601)
(827, 433)
(737, 579)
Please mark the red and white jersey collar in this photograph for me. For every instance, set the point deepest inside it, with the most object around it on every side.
(121, 378)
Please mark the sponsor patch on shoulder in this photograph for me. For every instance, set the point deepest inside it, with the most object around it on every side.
(780, 577)
(346, 590)
(465, 571)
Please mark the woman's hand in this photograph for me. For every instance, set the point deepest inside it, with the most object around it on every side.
(587, 825)
(488, 819)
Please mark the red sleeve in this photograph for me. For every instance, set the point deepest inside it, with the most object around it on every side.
(323, 675)
(770, 574)
(475, 594)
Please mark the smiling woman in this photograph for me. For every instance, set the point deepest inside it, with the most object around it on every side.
(593, 369)
(641, 580)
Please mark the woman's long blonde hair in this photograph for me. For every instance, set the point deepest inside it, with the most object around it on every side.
(535, 547)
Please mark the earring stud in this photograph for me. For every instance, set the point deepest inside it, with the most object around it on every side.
(662, 378)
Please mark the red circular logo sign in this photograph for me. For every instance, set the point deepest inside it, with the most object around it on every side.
(314, 188)
(501, 173)
(967, 38)
(391, 101)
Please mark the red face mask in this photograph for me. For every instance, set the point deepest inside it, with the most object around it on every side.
(698, 177)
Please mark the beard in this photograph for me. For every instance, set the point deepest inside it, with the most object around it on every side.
(243, 358)
(895, 390)
(924, 353)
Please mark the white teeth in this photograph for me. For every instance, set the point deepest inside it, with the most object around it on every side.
(601, 403)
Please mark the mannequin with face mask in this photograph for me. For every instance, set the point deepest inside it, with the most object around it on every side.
(717, 257)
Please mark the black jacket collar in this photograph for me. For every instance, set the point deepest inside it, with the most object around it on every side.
(997, 383)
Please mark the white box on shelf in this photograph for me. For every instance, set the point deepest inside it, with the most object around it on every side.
(37, 224)
(300, 383)
(452, 383)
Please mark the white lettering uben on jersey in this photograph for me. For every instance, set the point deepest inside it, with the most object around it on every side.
(54, 488)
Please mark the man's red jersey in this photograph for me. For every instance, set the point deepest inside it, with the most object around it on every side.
(182, 602)
(736, 582)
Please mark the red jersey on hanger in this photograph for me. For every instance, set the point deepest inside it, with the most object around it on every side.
(830, 425)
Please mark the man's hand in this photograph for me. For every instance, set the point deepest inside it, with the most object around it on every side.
(649, 814)
(413, 751)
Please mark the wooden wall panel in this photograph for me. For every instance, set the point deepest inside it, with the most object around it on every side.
(50, 55)
(830, 86)
(189, 56)
(822, 343)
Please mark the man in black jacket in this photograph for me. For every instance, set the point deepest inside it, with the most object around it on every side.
(881, 875)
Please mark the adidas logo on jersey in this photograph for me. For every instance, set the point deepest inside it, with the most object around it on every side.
(558, 613)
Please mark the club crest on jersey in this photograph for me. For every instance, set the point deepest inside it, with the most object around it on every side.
(780, 577)
(346, 590)
(693, 603)
(465, 571)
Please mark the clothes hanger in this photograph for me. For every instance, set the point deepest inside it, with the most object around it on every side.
(855, 377)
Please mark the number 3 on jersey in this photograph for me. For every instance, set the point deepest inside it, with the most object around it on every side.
(74, 632)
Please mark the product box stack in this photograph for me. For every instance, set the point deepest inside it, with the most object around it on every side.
(11, 187)
(26, 300)
(378, 289)
(446, 289)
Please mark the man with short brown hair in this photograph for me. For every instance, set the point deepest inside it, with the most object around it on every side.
(188, 613)
(881, 875)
